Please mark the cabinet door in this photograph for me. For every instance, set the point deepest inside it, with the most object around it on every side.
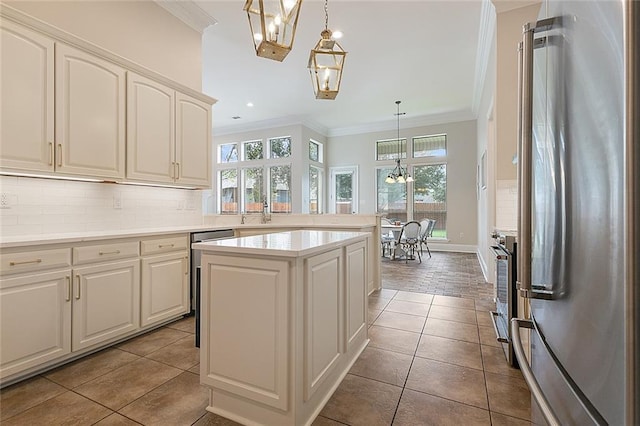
(26, 99)
(90, 115)
(193, 141)
(150, 130)
(106, 302)
(165, 287)
(35, 320)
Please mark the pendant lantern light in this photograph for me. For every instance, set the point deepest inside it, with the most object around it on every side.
(325, 63)
(273, 26)
(399, 174)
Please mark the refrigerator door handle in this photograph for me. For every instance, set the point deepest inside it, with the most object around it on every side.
(525, 130)
(536, 391)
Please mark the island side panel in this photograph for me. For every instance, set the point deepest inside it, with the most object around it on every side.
(356, 275)
(245, 328)
(323, 320)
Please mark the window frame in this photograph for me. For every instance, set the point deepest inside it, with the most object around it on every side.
(242, 164)
(410, 163)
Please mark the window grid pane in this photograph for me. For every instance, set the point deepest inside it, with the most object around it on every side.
(228, 191)
(252, 150)
(430, 196)
(344, 193)
(229, 153)
(313, 151)
(315, 189)
(280, 147)
(430, 146)
(391, 197)
(252, 188)
(388, 149)
(280, 187)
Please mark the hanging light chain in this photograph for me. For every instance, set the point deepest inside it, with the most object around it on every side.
(326, 14)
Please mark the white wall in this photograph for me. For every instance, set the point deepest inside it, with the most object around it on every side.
(509, 33)
(461, 171)
(140, 31)
(487, 144)
(49, 206)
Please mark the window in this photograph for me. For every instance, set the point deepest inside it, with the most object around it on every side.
(430, 146)
(315, 151)
(392, 197)
(430, 196)
(388, 149)
(426, 196)
(228, 153)
(315, 190)
(259, 175)
(252, 150)
(280, 147)
(253, 190)
(228, 188)
(280, 188)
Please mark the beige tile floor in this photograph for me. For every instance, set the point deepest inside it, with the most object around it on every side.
(432, 360)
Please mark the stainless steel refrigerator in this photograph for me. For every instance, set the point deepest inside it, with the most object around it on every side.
(579, 211)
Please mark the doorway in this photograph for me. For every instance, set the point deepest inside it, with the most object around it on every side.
(343, 197)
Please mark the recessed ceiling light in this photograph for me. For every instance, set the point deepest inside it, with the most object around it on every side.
(336, 34)
(236, 117)
(249, 104)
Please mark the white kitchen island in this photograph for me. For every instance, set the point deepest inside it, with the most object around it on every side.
(284, 317)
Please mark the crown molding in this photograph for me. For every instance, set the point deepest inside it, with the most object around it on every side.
(407, 123)
(293, 120)
(189, 13)
(381, 126)
(486, 34)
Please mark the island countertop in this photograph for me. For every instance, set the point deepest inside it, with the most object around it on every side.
(285, 244)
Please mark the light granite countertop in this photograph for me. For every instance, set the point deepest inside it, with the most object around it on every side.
(286, 244)
(75, 237)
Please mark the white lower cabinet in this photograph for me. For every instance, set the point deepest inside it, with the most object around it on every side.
(106, 302)
(165, 287)
(35, 320)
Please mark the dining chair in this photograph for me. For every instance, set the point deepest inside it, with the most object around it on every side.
(426, 234)
(410, 239)
(424, 228)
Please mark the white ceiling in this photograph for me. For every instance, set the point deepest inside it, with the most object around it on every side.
(423, 53)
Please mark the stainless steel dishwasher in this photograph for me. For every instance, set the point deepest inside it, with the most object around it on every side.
(199, 237)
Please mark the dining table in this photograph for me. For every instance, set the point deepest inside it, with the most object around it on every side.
(398, 252)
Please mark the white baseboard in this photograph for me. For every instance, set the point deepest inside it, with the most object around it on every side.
(461, 248)
(483, 266)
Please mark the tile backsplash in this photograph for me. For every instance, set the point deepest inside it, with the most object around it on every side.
(507, 204)
(49, 206)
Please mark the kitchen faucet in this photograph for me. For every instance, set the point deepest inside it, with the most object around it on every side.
(265, 217)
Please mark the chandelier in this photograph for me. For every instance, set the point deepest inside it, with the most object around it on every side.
(325, 63)
(273, 26)
(399, 174)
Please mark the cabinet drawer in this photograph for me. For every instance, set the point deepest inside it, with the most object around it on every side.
(36, 260)
(104, 252)
(162, 245)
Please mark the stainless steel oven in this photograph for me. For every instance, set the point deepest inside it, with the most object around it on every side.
(198, 237)
(506, 296)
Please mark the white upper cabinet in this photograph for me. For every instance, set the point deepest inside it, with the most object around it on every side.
(90, 115)
(26, 99)
(193, 141)
(150, 130)
(168, 135)
(73, 109)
